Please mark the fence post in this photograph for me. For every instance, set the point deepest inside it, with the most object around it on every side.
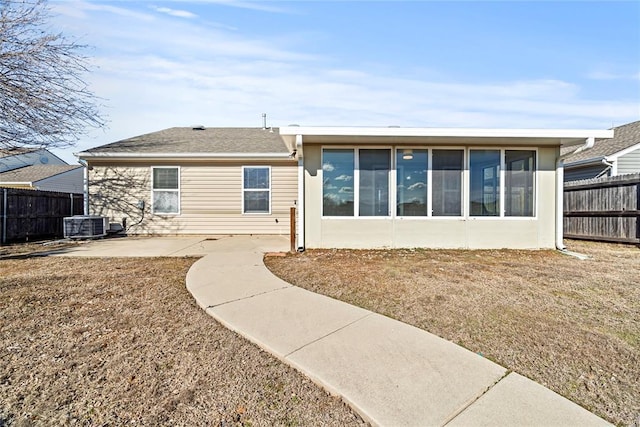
(292, 228)
(4, 216)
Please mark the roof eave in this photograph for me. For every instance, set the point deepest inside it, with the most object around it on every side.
(564, 137)
(182, 156)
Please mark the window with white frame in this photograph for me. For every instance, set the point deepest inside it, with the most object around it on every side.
(338, 173)
(411, 182)
(484, 182)
(487, 188)
(413, 188)
(520, 166)
(356, 182)
(256, 189)
(356, 177)
(446, 174)
(373, 187)
(166, 189)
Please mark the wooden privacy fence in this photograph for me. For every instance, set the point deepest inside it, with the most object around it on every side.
(606, 209)
(32, 214)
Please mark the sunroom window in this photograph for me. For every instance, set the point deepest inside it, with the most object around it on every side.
(446, 174)
(428, 182)
(374, 182)
(411, 182)
(338, 167)
(486, 186)
(484, 177)
(166, 190)
(355, 178)
(520, 169)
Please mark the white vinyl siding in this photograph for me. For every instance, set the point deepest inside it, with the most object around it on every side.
(210, 199)
(629, 163)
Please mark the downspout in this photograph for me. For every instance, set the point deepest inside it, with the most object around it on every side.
(300, 227)
(560, 195)
(611, 166)
(85, 185)
(560, 206)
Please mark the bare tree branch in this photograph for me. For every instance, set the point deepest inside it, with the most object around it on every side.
(44, 101)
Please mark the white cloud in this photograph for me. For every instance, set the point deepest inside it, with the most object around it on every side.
(346, 190)
(417, 186)
(83, 9)
(334, 197)
(174, 12)
(252, 5)
(345, 178)
(612, 72)
(328, 167)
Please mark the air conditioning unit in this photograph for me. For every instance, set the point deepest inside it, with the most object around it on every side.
(85, 227)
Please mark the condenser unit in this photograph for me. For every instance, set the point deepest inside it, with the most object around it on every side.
(85, 227)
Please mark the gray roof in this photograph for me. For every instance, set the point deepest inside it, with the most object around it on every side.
(199, 140)
(35, 173)
(624, 137)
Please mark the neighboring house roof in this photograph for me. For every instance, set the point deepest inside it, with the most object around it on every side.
(199, 140)
(624, 137)
(35, 173)
(7, 152)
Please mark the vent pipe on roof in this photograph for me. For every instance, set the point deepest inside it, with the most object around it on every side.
(264, 121)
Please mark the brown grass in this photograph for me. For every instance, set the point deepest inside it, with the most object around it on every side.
(119, 341)
(573, 326)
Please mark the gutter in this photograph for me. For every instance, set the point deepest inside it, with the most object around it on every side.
(593, 160)
(9, 183)
(85, 185)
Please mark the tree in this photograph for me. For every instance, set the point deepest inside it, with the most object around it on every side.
(44, 101)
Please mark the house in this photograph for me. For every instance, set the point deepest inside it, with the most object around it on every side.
(354, 187)
(20, 157)
(195, 181)
(619, 155)
(63, 178)
(39, 169)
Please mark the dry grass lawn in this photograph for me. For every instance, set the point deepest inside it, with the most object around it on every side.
(121, 341)
(572, 325)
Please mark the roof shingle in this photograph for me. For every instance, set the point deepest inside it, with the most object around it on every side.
(194, 140)
(35, 173)
(624, 137)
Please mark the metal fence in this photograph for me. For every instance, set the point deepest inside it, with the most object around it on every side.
(32, 214)
(605, 209)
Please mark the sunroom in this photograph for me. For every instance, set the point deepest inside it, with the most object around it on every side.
(427, 187)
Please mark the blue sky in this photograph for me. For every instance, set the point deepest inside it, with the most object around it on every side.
(507, 64)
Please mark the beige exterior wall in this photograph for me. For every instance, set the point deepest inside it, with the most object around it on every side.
(210, 198)
(462, 232)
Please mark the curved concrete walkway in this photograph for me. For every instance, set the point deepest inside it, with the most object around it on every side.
(391, 373)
